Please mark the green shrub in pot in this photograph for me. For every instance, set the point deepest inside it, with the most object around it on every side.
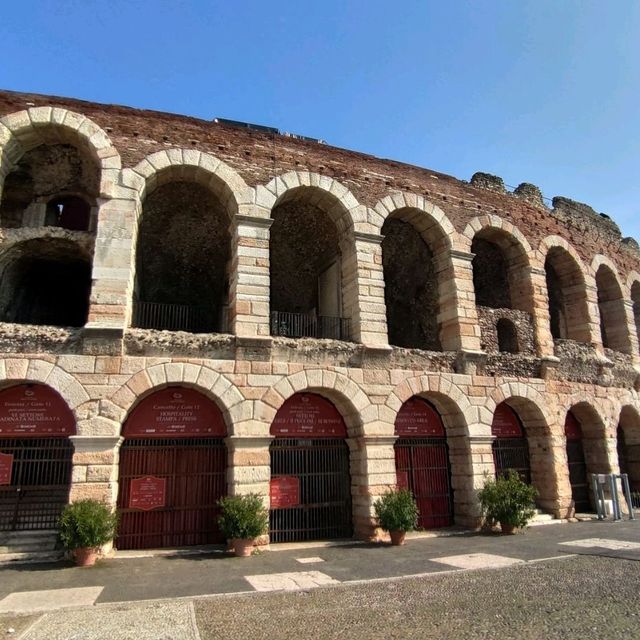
(243, 518)
(397, 513)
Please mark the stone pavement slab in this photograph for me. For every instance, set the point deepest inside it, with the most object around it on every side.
(293, 581)
(157, 621)
(51, 599)
(478, 561)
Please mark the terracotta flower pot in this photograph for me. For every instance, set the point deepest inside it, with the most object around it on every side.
(85, 556)
(397, 537)
(243, 547)
(507, 528)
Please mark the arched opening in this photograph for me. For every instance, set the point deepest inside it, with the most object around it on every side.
(613, 319)
(172, 471)
(52, 184)
(635, 298)
(182, 260)
(35, 457)
(587, 451)
(577, 464)
(510, 446)
(628, 447)
(410, 287)
(310, 478)
(45, 281)
(568, 309)
(68, 212)
(422, 462)
(306, 295)
(502, 289)
(507, 336)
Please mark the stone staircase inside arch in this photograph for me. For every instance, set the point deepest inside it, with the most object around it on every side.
(18, 547)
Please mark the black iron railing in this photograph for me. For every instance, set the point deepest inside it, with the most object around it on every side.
(305, 325)
(173, 317)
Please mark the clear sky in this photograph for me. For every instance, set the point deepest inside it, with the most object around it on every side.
(542, 91)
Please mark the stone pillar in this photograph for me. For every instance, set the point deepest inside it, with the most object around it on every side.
(591, 292)
(249, 277)
(458, 320)
(95, 468)
(631, 331)
(373, 472)
(468, 510)
(113, 265)
(35, 215)
(363, 289)
(540, 311)
(549, 470)
(249, 465)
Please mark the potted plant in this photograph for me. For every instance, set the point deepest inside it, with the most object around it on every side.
(84, 527)
(243, 519)
(397, 513)
(508, 500)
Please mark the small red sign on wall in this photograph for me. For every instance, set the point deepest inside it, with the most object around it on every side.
(175, 412)
(6, 466)
(419, 419)
(34, 410)
(402, 479)
(308, 415)
(147, 493)
(284, 492)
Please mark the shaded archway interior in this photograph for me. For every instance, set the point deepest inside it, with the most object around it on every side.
(613, 320)
(306, 296)
(182, 260)
(411, 287)
(628, 446)
(45, 281)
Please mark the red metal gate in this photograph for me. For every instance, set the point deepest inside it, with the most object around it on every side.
(510, 447)
(577, 464)
(172, 472)
(310, 480)
(35, 457)
(422, 462)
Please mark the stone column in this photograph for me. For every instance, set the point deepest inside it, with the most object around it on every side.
(468, 510)
(373, 472)
(549, 470)
(363, 289)
(591, 292)
(249, 465)
(95, 468)
(249, 277)
(458, 320)
(540, 312)
(631, 331)
(113, 265)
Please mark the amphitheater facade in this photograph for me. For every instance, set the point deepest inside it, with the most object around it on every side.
(195, 308)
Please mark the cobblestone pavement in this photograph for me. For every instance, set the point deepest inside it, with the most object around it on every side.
(577, 597)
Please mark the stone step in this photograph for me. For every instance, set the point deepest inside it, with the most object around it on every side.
(541, 518)
(6, 537)
(30, 557)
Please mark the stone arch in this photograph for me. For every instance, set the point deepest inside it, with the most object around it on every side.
(628, 443)
(23, 371)
(215, 386)
(545, 444)
(613, 316)
(188, 165)
(633, 287)
(480, 223)
(353, 404)
(328, 194)
(427, 218)
(24, 130)
(452, 405)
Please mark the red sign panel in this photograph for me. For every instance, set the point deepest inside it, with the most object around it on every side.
(418, 418)
(6, 465)
(34, 410)
(402, 479)
(572, 428)
(284, 492)
(175, 412)
(506, 423)
(147, 493)
(308, 415)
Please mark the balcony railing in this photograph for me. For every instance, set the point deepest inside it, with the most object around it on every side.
(173, 317)
(305, 325)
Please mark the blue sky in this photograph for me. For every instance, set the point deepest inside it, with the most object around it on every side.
(542, 91)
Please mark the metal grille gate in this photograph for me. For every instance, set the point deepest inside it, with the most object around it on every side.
(195, 473)
(578, 475)
(40, 480)
(424, 464)
(322, 468)
(512, 453)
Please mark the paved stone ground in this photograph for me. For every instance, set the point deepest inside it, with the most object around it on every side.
(551, 580)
